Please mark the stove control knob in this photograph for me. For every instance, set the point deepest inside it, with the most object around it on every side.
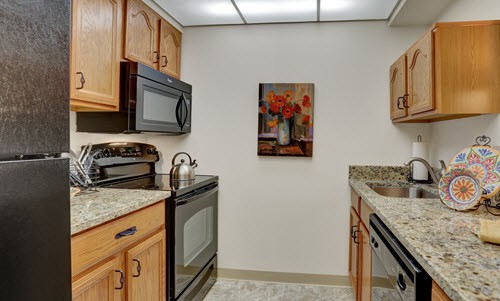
(151, 151)
(106, 153)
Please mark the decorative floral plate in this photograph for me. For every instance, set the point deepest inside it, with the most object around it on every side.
(459, 189)
(484, 162)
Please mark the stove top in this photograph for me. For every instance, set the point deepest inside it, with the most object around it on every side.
(162, 182)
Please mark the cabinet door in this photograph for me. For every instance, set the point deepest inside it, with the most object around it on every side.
(420, 76)
(398, 88)
(146, 278)
(141, 34)
(170, 50)
(95, 55)
(101, 283)
(365, 264)
(353, 250)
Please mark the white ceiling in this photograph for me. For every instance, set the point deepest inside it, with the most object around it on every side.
(219, 12)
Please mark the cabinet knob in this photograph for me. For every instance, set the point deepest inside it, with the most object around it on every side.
(156, 57)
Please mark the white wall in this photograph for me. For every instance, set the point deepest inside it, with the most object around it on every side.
(288, 214)
(449, 137)
(471, 10)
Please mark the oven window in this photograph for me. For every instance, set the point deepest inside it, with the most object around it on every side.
(198, 234)
(159, 107)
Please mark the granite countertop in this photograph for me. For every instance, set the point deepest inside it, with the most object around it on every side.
(465, 267)
(89, 209)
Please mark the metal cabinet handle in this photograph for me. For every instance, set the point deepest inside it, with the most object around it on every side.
(355, 237)
(156, 56)
(166, 60)
(352, 230)
(122, 279)
(128, 232)
(139, 268)
(82, 80)
(404, 101)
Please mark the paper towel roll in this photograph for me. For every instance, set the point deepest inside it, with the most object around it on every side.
(420, 172)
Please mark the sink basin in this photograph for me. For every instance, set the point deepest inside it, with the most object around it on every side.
(405, 192)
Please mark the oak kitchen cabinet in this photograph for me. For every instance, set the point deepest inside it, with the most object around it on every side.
(105, 32)
(123, 259)
(360, 254)
(151, 40)
(95, 54)
(452, 71)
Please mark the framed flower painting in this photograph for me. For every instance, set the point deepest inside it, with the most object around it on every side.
(286, 120)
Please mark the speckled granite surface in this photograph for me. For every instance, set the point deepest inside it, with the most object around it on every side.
(90, 209)
(466, 268)
(397, 173)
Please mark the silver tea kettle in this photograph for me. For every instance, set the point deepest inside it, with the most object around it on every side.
(183, 171)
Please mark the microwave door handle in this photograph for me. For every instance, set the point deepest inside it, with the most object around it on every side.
(187, 110)
(178, 111)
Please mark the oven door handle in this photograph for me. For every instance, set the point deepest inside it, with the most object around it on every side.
(196, 195)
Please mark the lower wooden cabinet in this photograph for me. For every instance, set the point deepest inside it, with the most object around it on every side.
(360, 252)
(146, 269)
(134, 271)
(100, 283)
(438, 294)
(353, 251)
(365, 265)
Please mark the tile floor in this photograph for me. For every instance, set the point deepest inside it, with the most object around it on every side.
(240, 290)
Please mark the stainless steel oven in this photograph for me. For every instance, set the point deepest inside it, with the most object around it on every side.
(150, 101)
(396, 275)
(192, 263)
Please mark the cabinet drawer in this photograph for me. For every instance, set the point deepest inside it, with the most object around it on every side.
(355, 200)
(95, 245)
(364, 213)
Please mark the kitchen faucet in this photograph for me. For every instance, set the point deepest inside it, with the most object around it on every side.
(435, 178)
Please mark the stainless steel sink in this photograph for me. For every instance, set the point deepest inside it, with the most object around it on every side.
(405, 192)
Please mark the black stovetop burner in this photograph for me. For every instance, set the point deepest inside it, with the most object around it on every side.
(162, 182)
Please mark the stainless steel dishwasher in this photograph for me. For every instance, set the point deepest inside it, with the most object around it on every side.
(396, 275)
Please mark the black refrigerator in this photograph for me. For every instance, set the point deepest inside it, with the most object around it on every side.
(35, 262)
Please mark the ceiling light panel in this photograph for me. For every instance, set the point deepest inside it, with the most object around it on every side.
(274, 11)
(341, 10)
(205, 12)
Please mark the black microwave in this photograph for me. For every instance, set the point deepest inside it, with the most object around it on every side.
(150, 101)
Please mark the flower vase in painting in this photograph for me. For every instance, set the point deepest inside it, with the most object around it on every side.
(285, 120)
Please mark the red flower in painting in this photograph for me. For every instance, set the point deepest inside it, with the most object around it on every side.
(287, 112)
(279, 100)
(274, 107)
(263, 109)
(297, 109)
(306, 119)
(306, 101)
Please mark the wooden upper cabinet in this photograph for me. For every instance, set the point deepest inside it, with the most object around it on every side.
(420, 73)
(141, 34)
(453, 71)
(354, 250)
(398, 88)
(146, 269)
(170, 49)
(95, 54)
(100, 283)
